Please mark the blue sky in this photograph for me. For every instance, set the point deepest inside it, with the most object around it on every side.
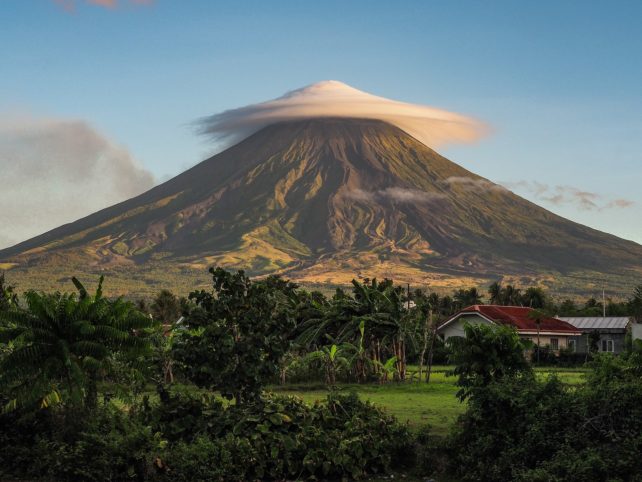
(559, 83)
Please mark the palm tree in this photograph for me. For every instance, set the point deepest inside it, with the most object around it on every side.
(511, 296)
(464, 298)
(534, 297)
(62, 343)
(538, 315)
(495, 292)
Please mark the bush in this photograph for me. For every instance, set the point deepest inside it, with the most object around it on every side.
(522, 429)
(206, 458)
(568, 358)
(107, 445)
(510, 425)
(180, 416)
(282, 438)
(18, 434)
(546, 356)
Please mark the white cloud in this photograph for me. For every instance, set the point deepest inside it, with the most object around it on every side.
(55, 171)
(398, 194)
(473, 184)
(434, 127)
(569, 195)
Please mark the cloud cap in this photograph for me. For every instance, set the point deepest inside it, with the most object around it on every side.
(431, 126)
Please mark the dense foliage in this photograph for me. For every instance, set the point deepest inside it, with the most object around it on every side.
(89, 388)
(60, 345)
(487, 354)
(280, 438)
(8, 295)
(236, 335)
(518, 428)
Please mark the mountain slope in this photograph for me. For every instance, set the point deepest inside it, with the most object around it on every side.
(323, 200)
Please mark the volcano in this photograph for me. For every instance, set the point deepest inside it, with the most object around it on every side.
(323, 200)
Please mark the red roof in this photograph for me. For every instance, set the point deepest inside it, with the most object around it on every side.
(518, 317)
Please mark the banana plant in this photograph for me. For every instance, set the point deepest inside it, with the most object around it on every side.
(388, 369)
(333, 358)
(359, 359)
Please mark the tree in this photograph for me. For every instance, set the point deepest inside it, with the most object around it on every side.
(592, 307)
(427, 306)
(162, 341)
(446, 306)
(8, 296)
(487, 353)
(568, 308)
(380, 305)
(166, 307)
(534, 297)
(537, 315)
(511, 296)
(495, 292)
(237, 334)
(594, 338)
(61, 344)
(469, 297)
(635, 304)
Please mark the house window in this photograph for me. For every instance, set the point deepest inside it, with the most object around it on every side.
(555, 344)
(572, 345)
(608, 346)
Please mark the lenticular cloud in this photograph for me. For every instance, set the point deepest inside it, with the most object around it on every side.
(434, 127)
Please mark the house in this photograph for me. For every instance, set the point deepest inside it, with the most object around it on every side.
(553, 332)
(608, 333)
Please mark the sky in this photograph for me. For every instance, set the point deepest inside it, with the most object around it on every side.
(99, 99)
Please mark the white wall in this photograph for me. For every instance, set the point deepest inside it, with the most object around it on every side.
(456, 328)
(636, 331)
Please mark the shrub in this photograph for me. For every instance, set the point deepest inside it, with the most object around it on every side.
(108, 445)
(522, 429)
(180, 416)
(282, 438)
(205, 458)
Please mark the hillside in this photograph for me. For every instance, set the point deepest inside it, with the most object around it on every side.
(321, 201)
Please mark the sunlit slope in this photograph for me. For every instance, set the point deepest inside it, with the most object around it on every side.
(323, 200)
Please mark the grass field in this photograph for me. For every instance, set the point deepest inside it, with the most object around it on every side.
(418, 404)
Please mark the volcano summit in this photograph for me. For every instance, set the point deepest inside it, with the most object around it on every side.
(323, 199)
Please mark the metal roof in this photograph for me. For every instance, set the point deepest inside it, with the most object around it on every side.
(597, 322)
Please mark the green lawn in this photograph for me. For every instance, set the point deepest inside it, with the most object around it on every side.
(418, 404)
